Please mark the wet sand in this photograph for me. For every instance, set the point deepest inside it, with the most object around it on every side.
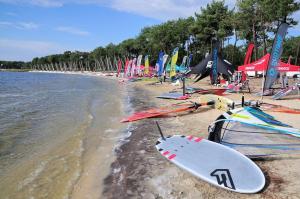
(139, 171)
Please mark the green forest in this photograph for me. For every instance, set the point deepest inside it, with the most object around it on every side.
(249, 21)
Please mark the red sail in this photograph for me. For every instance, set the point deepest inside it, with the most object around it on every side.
(247, 59)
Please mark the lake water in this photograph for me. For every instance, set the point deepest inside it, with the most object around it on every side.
(57, 134)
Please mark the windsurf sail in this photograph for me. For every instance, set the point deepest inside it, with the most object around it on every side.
(252, 141)
(138, 65)
(247, 60)
(146, 72)
(184, 60)
(160, 64)
(277, 49)
(204, 68)
(189, 61)
(248, 56)
(133, 67)
(214, 70)
(127, 67)
(255, 117)
(218, 91)
(173, 62)
(278, 108)
(157, 112)
(253, 132)
(174, 95)
(165, 58)
(283, 92)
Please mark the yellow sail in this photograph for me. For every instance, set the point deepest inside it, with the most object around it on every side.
(173, 62)
(146, 65)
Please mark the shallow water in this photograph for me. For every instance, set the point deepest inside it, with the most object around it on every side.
(57, 134)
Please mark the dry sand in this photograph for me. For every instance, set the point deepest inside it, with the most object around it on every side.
(139, 171)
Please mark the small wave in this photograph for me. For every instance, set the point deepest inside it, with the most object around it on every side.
(124, 139)
(11, 95)
(91, 117)
(33, 175)
(128, 132)
(110, 130)
(117, 170)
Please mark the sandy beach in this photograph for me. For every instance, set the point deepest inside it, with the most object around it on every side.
(161, 99)
(133, 168)
(139, 171)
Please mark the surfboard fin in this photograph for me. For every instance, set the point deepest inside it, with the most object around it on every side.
(160, 131)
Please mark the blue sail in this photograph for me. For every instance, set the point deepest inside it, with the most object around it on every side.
(160, 64)
(277, 49)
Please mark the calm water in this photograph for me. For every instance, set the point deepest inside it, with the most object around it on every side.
(50, 127)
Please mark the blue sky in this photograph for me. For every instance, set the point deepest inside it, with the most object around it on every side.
(33, 28)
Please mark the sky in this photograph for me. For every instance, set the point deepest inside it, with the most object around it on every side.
(35, 28)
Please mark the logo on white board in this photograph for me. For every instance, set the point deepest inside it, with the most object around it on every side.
(223, 178)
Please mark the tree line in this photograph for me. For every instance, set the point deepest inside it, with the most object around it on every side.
(249, 21)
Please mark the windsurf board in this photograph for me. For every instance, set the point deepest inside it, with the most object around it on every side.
(212, 162)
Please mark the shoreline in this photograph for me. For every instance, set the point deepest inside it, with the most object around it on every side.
(127, 171)
(139, 171)
(93, 148)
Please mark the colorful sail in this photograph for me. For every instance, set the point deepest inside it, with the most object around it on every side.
(277, 49)
(126, 66)
(184, 60)
(146, 72)
(165, 58)
(127, 73)
(160, 64)
(173, 62)
(214, 71)
(138, 65)
(247, 60)
(248, 56)
(254, 132)
(133, 67)
(189, 61)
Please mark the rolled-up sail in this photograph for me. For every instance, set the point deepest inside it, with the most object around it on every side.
(146, 72)
(138, 64)
(173, 62)
(214, 71)
(272, 71)
(160, 64)
(133, 67)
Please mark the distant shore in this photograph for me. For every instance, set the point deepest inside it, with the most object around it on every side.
(15, 70)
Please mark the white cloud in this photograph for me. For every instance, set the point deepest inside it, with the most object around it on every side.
(19, 25)
(6, 23)
(157, 9)
(72, 30)
(25, 50)
(47, 3)
(28, 25)
(11, 14)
